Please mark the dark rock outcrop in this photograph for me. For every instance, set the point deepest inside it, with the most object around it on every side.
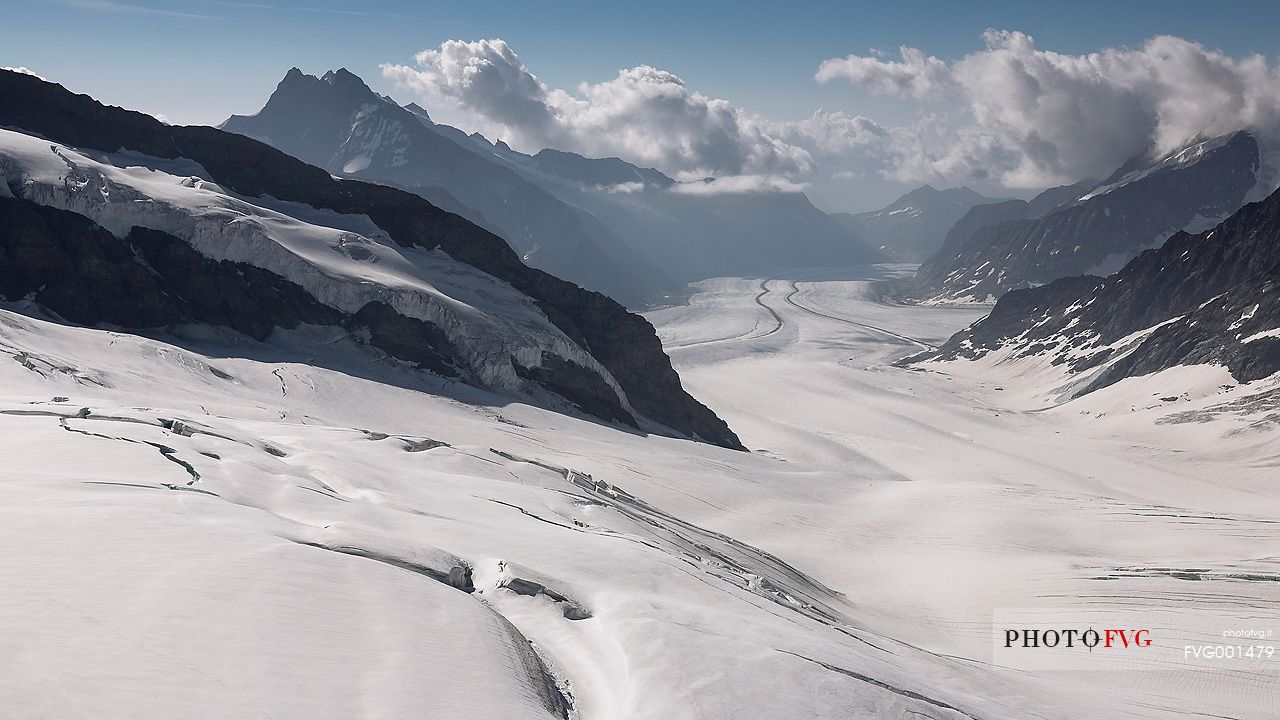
(70, 265)
(625, 344)
(240, 296)
(73, 267)
(580, 386)
(406, 338)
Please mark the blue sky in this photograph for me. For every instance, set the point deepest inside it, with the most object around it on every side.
(198, 61)
(148, 54)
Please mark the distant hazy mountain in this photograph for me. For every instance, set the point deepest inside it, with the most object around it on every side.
(338, 123)
(1209, 298)
(1138, 207)
(913, 227)
(691, 229)
(110, 217)
(607, 224)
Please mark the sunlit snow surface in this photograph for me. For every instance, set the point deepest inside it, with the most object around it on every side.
(283, 550)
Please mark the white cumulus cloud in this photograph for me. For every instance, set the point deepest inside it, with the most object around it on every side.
(738, 184)
(917, 75)
(1033, 117)
(645, 115)
(1009, 115)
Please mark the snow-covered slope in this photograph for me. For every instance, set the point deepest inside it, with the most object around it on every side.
(244, 535)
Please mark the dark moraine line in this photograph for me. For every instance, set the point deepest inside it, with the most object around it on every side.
(789, 297)
(759, 300)
(777, 319)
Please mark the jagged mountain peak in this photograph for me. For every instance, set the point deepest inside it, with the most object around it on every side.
(343, 76)
(418, 110)
(337, 87)
(338, 123)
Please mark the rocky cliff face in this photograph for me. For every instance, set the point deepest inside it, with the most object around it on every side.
(1212, 297)
(1137, 208)
(194, 266)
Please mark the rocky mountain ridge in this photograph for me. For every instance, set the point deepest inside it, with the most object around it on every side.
(330, 251)
(1137, 208)
(1205, 298)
